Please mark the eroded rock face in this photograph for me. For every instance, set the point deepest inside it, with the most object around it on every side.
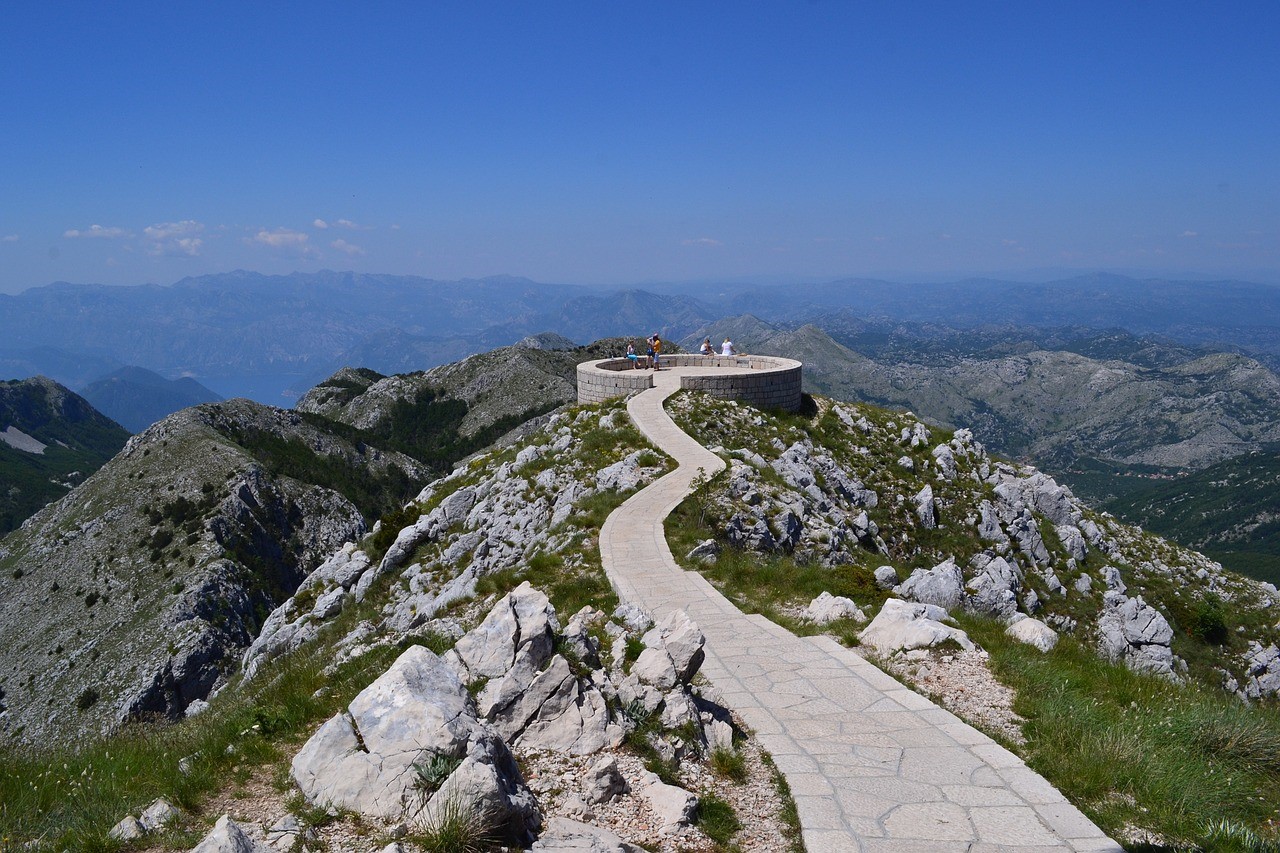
(994, 590)
(418, 714)
(943, 585)
(1262, 667)
(1132, 631)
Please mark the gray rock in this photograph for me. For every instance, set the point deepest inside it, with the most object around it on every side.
(902, 625)
(1084, 584)
(749, 533)
(1131, 631)
(158, 815)
(228, 837)
(945, 461)
(1025, 530)
(943, 585)
(564, 835)
(887, 577)
(906, 463)
(635, 619)
(1033, 632)
(994, 591)
(673, 806)
(705, 551)
(1073, 541)
(926, 508)
(364, 759)
(603, 781)
(787, 528)
(517, 631)
(654, 667)
(679, 638)
(827, 608)
(128, 829)
(1112, 578)
(1262, 671)
(989, 524)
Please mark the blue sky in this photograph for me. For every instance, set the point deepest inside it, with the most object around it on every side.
(622, 142)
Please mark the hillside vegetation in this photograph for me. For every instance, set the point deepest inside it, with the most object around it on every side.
(50, 440)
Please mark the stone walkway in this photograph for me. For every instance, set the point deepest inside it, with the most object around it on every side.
(872, 765)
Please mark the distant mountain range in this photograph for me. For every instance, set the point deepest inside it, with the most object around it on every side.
(292, 331)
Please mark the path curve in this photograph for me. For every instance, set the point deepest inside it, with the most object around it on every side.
(872, 765)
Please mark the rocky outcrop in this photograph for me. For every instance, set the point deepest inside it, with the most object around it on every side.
(827, 608)
(903, 626)
(943, 586)
(1132, 631)
(1033, 632)
(410, 740)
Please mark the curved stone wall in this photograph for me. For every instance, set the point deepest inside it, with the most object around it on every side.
(761, 380)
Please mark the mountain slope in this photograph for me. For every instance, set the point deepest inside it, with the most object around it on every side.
(50, 439)
(1230, 511)
(131, 596)
(135, 397)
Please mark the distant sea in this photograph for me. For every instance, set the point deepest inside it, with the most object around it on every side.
(274, 389)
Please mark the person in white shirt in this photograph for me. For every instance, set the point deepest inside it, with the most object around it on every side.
(726, 348)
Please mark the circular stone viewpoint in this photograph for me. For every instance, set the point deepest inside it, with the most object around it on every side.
(765, 381)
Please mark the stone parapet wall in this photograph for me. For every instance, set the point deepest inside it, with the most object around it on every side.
(614, 377)
(763, 381)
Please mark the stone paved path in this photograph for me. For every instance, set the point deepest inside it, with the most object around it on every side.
(872, 765)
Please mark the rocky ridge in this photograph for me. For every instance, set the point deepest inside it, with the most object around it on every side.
(151, 577)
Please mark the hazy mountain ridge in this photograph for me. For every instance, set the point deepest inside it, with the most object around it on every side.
(240, 324)
(135, 397)
(1052, 406)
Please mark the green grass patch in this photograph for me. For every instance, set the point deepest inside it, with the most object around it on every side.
(717, 819)
(729, 763)
(1135, 750)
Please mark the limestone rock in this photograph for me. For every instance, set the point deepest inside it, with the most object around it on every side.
(679, 638)
(994, 591)
(1132, 631)
(705, 551)
(674, 806)
(926, 508)
(1033, 632)
(564, 835)
(887, 577)
(828, 608)
(367, 758)
(158, 815)
(128, 829)
(945, 461)
(1262, 668)
(604, 781)
(228, 837)
(943, 585)
(902, 625)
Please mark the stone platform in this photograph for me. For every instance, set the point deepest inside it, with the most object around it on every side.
(765, 381)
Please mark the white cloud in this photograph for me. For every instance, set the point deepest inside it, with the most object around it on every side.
(350, 248)
(9, 238)
(354, 226)
(1009, 242)
(1190, 234)
(96, 231)
(702, 241)
(174, 238)
(321, 224)
(281, 238)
